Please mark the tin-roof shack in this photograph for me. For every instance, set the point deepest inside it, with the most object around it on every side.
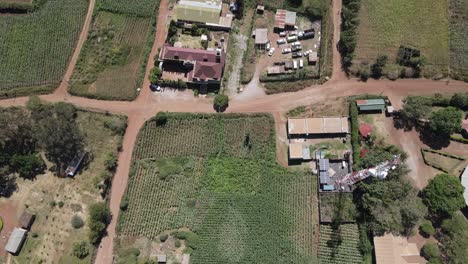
(298, 151)
(261, 36)
(26, 220)
(284, 19)
(371, 105)
(318, 125)
(15, 241)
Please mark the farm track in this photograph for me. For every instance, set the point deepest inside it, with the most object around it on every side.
(148, 104)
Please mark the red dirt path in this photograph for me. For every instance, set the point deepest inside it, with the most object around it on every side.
(8, 213)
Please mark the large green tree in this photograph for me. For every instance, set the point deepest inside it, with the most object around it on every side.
(444, 195)
(445, 121)
(390, 205)
(416, 107)
(99, 217)
(454, 240)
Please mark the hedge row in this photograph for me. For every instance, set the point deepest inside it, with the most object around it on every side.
(459, 139)
(19, 8)
(432, 165)
(443, 154)
(347, 43)
(296, 76)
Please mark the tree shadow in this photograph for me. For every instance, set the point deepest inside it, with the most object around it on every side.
(7, 185)
(402, 123)
(432, 139)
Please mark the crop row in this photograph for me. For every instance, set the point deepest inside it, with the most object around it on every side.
(142, 8)
(36, 47)
(340, 245)
(458, 39)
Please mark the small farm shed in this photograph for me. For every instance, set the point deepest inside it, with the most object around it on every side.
(390, 249)
(261, 37)
(298, 151)
(318, 126)
(26, 220)
(371, 105)
(162, 258)
(186, 259)
(16, 240)
(260, 9)
(284, 20)
(365, 130)
(275, 70)
(312, 58)
(464, 182)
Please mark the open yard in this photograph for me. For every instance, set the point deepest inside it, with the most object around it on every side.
(217, 176)
(452, 165)
(36, 47)
(387, 24)
(56, 200)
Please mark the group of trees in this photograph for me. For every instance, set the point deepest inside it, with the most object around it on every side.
(443, 122)
(27, 133)
(347, 44)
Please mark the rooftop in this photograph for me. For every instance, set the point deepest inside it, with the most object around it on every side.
(390, 249)
(365, 130)
(198, 11)
(261, 36)
(464, 182)
(284, 18)
(370, 102)
(299, 151)
(26, 220)
(318, 125)
(16, 240)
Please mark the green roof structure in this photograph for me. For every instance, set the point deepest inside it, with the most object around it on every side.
(199, 11)
(371, 105)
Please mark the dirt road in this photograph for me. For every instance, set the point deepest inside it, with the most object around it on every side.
(148, 104)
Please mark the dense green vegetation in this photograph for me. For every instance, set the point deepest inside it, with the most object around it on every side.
(349, 26)
(112, 63)
(99, 217)
(18, 7)
(454, 239)
(339, 244)
(458, 11)
(36, 47)
(190, 176)
(444, 195)
(221, 102)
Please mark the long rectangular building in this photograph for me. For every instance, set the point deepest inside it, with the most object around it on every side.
(317, 126)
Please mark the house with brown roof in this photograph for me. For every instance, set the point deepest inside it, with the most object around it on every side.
(26, 220)
(193, 66)
(390, 249)
(284, 20)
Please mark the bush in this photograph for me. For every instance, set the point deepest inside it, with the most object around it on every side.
(191, 239)
(52, 203)
(430, 251)
(77, 222)
(221, 102)
(177, 244)
(426, 229)
(444, 195)
(161, 118)
(124, 204)
(99, 217)
(80, 249)
(60, 204)
(155, 75)
(111, 161)
(163, 237)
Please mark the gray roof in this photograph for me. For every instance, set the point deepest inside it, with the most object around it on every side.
(464, 182)
(261, 36)
(16, 240)
(324, 164)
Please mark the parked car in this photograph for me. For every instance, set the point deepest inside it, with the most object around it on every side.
(291, 39)
(296, 43)
(281, 41)
(292, 33)
(306, 53)
(296, 47)
(155, 88)
(286, 50)
(282, 34)
(270, 53)
(295, 64)
(301, 63)
(297, 54)
(268, 46)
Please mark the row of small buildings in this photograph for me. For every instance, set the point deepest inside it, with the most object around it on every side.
(18, 235)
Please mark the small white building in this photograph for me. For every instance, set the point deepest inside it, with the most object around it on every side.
(16, 240)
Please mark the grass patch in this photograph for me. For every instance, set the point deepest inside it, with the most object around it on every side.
(443, 162)
(458, 11)
(111, 57)
(339, 244)
(385, 25)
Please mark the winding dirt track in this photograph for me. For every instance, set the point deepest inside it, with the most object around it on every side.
(148, 104)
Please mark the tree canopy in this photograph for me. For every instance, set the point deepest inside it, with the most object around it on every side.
(99, 217)
(416, 107)
(221, 102)
(454, 240)
(445, 121)
(444, 195)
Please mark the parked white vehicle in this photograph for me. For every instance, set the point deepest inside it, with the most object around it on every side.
(281, 41)
(292, 33)
(306, 53)
(295, 64)
(282, 34)
(297, 43)
(286, 50)
(268, 46)
(301, 63)
(270, 53)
